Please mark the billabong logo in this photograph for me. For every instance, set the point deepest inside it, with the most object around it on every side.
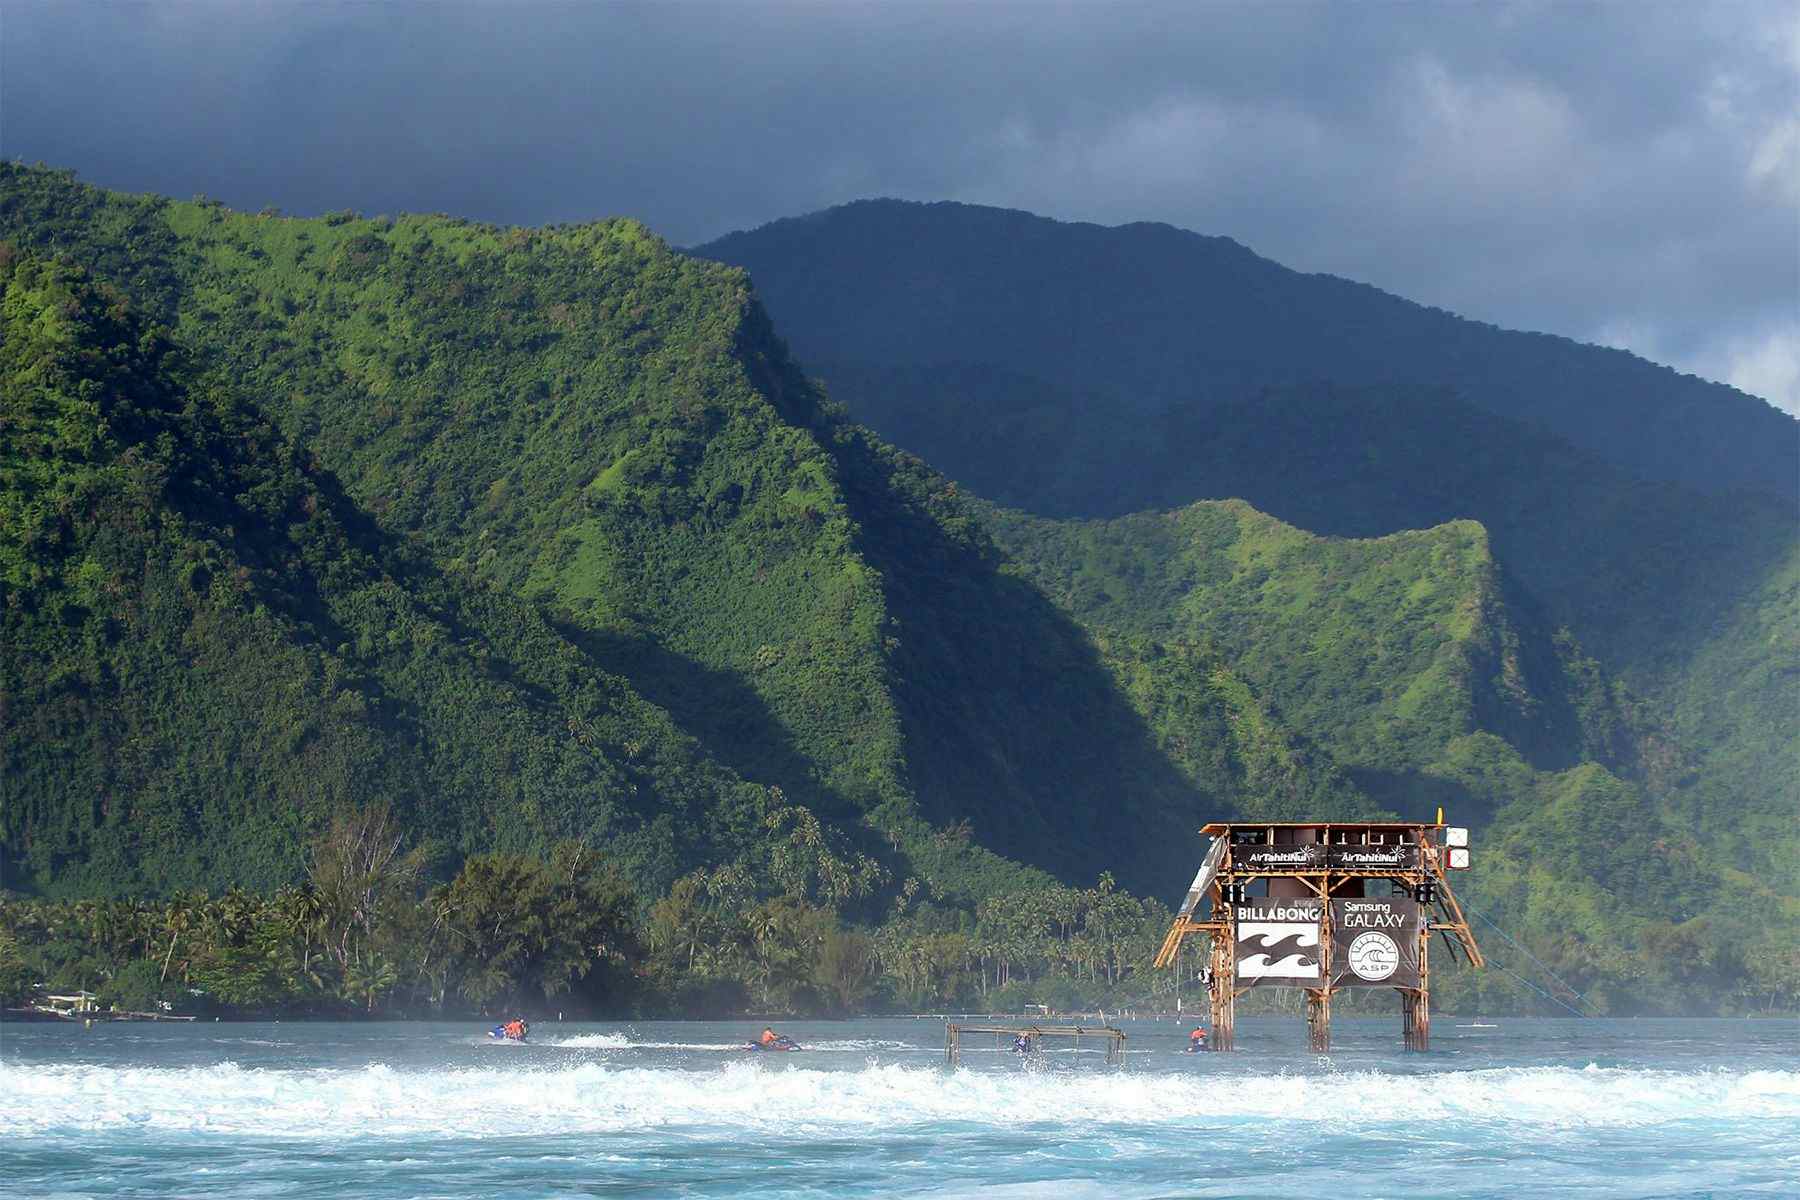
(1373, 956)
(1277, 950)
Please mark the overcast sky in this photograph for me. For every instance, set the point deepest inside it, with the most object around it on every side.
(1627, 173)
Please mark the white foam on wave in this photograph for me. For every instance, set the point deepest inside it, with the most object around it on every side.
(624, 1041)
(607, 1097)
(592, 1041)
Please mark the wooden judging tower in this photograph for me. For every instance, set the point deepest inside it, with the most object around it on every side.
(1322, 906)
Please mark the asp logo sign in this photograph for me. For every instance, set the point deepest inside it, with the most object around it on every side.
(1375, 943)
(1373, 956)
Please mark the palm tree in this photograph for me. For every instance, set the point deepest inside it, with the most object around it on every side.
(369, 976)
(303, 910)
(180, 917)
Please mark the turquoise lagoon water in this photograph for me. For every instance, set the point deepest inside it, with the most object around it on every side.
(1524, 1108)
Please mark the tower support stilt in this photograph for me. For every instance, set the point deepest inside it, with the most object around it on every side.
(1415, 1019)
(1221, 990)
(1318, 1019)
(1415, 1004)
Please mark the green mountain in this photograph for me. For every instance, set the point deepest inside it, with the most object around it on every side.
(1600, 607)
(1420, 682)
(543, 533)
(1079, 419)
(1387, 649)
(1075, 371)
(1147, 319)
(608, 435)
(1659, 585)
(207, 648)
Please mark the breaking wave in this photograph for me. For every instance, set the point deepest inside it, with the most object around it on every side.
(595, 1097)
(591, 1041)
(624, 1041)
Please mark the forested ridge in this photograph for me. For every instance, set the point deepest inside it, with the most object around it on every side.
(209, 650)
(1630, 577)
(532, 545)
(1152, 319)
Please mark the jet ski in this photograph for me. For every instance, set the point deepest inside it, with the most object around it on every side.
(778, 1045)
(500, 1033)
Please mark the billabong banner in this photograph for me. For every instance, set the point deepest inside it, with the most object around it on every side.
(1375, 943)
(1277, 943)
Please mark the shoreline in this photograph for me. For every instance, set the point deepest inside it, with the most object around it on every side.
(34, 1017)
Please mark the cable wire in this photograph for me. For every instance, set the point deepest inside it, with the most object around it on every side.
(1540, 965)
(1540, 991)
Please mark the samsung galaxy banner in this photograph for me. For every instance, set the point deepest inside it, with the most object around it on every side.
(1375, 943)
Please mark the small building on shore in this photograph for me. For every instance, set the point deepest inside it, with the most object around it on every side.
(73, 1006)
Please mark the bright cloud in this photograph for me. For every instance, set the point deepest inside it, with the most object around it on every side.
(1767, 365)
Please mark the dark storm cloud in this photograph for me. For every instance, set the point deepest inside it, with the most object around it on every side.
(1625, 172)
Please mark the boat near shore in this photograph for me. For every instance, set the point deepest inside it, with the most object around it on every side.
(82, 1007)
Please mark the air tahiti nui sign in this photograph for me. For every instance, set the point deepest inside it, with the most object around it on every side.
(1278, 943)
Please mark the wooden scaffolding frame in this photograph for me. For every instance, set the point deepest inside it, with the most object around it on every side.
(1222, 870)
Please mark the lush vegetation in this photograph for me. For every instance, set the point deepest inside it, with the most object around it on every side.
(1601, 572)
(208, 650)
(1079, 372)
(367, 932)
(1419, 685)
(605, 438)
(537, 547)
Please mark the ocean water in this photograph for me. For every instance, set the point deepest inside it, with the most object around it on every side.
(1499, 1108)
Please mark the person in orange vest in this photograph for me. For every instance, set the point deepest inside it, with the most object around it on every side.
(1196, 1040)
(770, 1040)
